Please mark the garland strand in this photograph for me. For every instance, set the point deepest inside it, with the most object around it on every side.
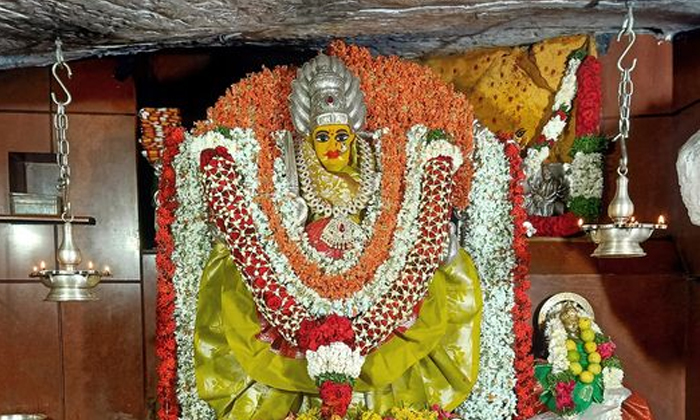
(525, 379)
(489, 240)
(166, 347)
(586, 176)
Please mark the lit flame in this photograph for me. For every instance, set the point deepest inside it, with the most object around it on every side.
(42, 265)
(662, 220)
(90, 265)
(580, 222)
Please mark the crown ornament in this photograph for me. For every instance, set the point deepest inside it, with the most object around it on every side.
(326, 92)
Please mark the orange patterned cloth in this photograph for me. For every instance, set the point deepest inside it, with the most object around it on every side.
(513, 88)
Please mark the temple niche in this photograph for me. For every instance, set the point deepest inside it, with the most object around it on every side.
(354, 225)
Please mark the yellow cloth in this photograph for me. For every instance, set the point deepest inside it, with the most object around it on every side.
(435, 361)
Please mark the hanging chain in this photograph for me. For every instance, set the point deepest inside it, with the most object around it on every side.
(60, 125)
(625, 88)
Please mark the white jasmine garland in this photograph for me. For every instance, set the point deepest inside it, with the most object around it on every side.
(489, 240)
(567, 90)
(337, 358)
(586, 175)
(192, 239)
(556, 341)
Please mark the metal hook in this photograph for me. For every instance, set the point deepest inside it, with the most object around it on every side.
(54, 70)
(627, 29)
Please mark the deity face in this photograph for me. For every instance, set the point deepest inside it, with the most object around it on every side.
(332, 144)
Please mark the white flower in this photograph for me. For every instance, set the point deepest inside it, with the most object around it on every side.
(336, 357)
(530, 230)
(533, 160)
(612, 378)
(552, 130)
(567, 90)
(586, 175)
(489, 240)
(556, 341)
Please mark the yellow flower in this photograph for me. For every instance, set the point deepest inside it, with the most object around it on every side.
(312, 414)
(370, 415)
(403, 413)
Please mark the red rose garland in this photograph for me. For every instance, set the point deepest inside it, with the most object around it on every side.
(588, 97)
(525, 377)
(165, 303)
(561, 226)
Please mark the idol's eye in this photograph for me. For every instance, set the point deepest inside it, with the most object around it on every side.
(322, 137)
(342, 136)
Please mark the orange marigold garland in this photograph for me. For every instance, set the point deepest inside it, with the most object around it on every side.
(398, 94)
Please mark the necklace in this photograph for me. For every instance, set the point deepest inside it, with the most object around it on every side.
(341, 232)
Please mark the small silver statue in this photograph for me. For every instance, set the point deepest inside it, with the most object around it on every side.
(547, 191)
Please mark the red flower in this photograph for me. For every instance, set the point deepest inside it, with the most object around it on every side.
(606, 349)
(336, 398)
(313, 334)
(559, 226)
(205, 157)
(273, 301)
(523, 364)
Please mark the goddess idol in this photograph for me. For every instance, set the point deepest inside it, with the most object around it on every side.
(337, 279)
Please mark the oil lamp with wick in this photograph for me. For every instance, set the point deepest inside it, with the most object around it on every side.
(69, 282)
(622, 237)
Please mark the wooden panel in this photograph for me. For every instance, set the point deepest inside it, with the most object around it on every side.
(646, 316)
(24, 89)
(95, 89)
(103, 160)
(572, 256)
(30, 365)
(686, 64)
(22, 246)
(103, 355)
(653, 76)
(693, 360)
(149, 277)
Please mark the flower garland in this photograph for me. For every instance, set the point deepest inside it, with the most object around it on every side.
(489, 239)
(563, 225)
(580, 370)
(586, 174)
(525, 379)
(561, 109)
(165, 302)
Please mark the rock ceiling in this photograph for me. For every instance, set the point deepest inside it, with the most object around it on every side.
(406, 27)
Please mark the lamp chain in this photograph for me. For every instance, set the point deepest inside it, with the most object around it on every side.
(60, 125)
(625, 88)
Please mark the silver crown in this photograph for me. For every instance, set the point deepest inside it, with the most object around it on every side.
(326, 92)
